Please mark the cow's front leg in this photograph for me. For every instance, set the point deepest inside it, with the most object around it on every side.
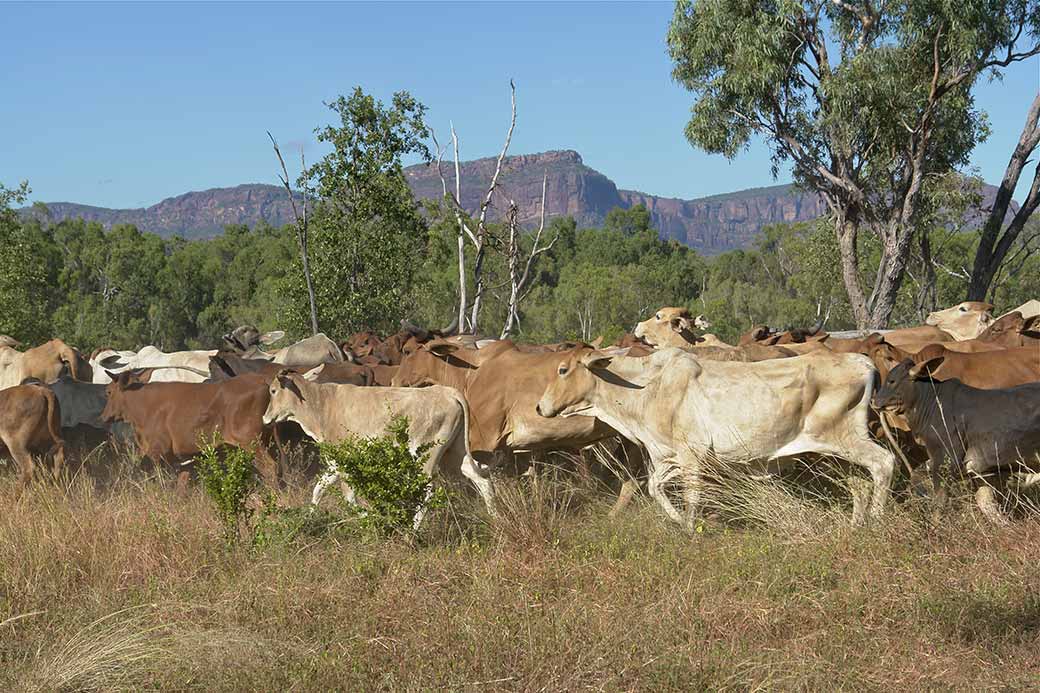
(987, 497)
(660, 474)
(692, 483)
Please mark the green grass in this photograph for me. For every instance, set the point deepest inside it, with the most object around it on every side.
(132, 587)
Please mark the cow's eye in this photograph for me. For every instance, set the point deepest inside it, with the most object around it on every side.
(562, 370)
(963, 309)
(658, 316)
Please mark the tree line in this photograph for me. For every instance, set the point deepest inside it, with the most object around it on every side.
(126, 288)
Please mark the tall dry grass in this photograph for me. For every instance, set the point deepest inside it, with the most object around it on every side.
(124, 585)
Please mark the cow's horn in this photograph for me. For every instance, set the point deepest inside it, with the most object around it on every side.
(452, 327)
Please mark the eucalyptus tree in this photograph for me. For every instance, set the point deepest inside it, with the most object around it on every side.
(865, 100)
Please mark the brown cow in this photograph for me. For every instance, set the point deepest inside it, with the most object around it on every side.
(30, 424)
(170, 419)
(1013, 330)
(501, 385)
(343, 374)
(982, 370)
(45, 363)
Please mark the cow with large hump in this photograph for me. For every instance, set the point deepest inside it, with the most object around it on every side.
(980, 431)
(688, 413)
(171, 419)
(45, 363)
(437, 417)
(30, 425)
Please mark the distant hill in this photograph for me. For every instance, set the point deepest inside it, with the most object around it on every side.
(710, 225)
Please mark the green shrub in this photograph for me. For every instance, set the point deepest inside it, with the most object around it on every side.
(228, 477)
(385, 473)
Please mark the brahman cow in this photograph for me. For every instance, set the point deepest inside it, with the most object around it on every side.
(45, 363)
(978, 430)
(988, 370)
(672, 327)
(687, 412)
(1012, 330)
(167, 367)
(247, 340)
(437, 416)
(171, 419)
(502, 384)
(30, 424)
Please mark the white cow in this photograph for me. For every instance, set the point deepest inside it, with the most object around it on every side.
(331, 412)
(171, 367)
(686, 412)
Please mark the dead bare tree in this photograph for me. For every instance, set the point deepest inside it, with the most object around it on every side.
(479, 237)
(519, 281)
(459, 220)
(301, 227)
(994, 246)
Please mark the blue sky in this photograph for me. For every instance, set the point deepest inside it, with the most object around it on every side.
(122, 105)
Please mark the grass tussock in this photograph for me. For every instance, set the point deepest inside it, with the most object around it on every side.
(124, 585)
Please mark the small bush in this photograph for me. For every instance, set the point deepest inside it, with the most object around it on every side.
(384, 472)
(228, 477)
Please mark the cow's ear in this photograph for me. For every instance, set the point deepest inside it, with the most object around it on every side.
(313, 373)
(112, 361)
(441, 348)
(926, 369)
(701, 323)
(597, 342)
(271, 337)
(600, 360)
(680, 324)
(1031, 324)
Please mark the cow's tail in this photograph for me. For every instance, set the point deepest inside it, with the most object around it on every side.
(483, 470)
(54, 428)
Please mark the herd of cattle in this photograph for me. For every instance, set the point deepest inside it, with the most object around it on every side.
(963, 389)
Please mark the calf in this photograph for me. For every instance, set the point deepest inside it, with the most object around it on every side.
(30, 424)
(979, 430)
(169, 419)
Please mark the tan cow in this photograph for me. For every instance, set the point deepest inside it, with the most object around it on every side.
(672, 327)
(246, 341)
(966, 320)
(30, 424)
(45, 363)
(687, 412)
(329, 412)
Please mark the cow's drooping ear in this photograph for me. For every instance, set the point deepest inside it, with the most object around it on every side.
(926, 369)
(271, 337)
(1031, 324)
(313, 373)
(600, 360)
(680, 325)
(441, 348)
(112, 361)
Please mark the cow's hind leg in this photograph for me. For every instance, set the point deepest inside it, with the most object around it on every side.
(25, 464)
(881, 464)
(482, 482)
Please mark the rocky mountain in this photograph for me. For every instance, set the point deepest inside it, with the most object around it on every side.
(710, 225)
